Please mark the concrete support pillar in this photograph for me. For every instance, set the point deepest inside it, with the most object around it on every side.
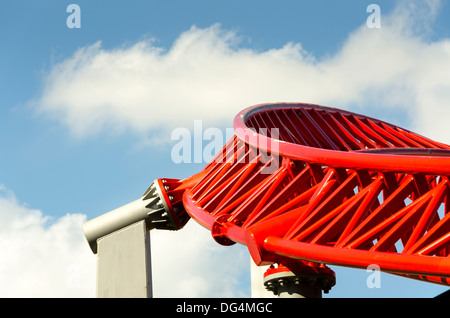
(121, 239)
(124, 263)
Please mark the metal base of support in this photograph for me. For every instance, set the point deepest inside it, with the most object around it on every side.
(306, 282)
(289, 285)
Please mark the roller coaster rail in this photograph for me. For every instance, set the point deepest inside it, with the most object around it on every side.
(304, 186)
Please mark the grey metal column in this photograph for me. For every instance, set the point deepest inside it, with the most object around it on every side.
(124, 263)
(121, 239)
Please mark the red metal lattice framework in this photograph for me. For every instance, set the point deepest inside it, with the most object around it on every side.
(307, 184)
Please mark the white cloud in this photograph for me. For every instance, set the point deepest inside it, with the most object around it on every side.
(41, 256)
(206, 75)
(189, 263)
(46, 257)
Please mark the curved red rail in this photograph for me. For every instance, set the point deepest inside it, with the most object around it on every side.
(301, 182)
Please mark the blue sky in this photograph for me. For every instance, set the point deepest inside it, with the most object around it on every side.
(83, 130)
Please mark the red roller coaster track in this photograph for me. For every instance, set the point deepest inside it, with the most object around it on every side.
(303, 184)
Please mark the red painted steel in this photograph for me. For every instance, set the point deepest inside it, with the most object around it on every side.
(308, 183)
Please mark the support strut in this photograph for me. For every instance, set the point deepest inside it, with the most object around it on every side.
(121, 239)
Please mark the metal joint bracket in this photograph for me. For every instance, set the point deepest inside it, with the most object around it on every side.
(154, 207)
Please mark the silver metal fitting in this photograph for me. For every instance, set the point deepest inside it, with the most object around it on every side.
(151, 207)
